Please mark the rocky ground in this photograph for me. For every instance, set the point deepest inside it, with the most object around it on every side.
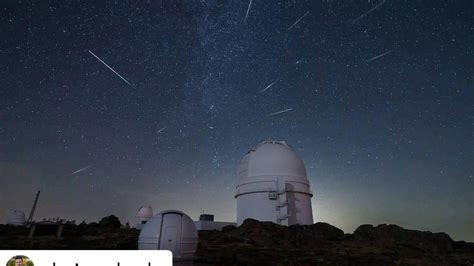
(107, 234)
(264, 243)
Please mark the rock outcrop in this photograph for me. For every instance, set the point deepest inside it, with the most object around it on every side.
(264, 243)
(393, 235)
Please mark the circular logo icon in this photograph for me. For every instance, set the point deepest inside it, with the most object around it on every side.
(20, 260)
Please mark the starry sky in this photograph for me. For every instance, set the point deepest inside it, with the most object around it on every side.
(106, 106)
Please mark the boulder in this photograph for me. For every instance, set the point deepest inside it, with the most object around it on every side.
(110, 222)
(393, 235)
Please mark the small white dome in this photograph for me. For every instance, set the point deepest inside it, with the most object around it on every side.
(16, 218)
(271, 158)
(144, 212)
(170, 230)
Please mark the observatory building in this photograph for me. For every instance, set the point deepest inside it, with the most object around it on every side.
(16, 218)
(273, 186)
(170, 230)
(206, 222)
(143, 215)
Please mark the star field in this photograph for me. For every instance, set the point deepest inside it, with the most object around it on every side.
(376, 97)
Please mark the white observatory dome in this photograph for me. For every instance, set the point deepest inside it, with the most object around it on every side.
(16, 218)
(145, 212)
(142, 216)
(170, 230)
(271, 158)
(273, 186)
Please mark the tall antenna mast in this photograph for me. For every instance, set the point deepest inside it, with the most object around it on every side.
(32, 212)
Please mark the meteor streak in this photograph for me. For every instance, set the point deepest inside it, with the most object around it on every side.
(126, 81)
(80, 170)
(279, 112)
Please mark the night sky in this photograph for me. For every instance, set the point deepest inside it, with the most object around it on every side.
(378, 100)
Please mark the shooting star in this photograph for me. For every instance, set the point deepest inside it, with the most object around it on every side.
(299, 61)
(80, 170)
(126, 81)
(298, 21)
(378, 56)
(270, 85)
(248, 10)
(160, 130)
(368, 12)
(279, 112)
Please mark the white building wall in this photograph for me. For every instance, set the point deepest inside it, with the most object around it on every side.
(256, 206)
(301, 211)
(170, 230)
(279, 199)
